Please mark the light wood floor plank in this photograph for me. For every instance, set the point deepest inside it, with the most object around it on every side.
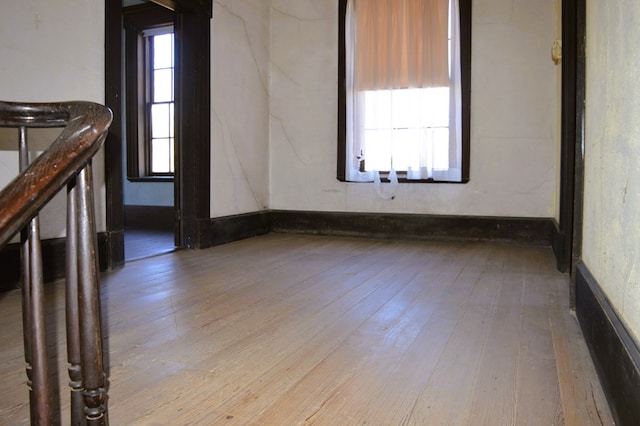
(537, 390)
(493, 398)
(382, 339)
(582, 396)
(345, 306)
(448, 389)
(293, 329)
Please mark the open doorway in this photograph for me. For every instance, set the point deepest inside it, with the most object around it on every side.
(149, 128)
(188, 211)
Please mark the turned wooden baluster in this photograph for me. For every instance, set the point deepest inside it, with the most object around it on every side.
(84, 345)
(89, 303)
(72, 310)
(23, 151)
(33, 312)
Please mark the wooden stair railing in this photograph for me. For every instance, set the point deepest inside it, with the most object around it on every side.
(66, 163)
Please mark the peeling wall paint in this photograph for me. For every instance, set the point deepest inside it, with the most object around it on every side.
(611, 246)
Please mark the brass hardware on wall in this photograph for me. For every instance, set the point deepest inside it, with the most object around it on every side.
(556, 52)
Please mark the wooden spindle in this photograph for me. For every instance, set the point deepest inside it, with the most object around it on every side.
(34, 321)
(89, 297)
(72, 310)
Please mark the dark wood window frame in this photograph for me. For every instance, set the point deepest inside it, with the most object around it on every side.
(465, 52)
(138, 19)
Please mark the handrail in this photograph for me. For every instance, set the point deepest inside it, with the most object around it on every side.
(66, 162)
(86, 125)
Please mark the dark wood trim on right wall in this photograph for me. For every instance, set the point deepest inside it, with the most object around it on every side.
(564, 228)
(567, 240)
(614, 352)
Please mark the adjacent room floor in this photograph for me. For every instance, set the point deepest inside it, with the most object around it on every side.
(291, 329)
(140, 243)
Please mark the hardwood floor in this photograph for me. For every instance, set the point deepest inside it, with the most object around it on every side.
(140, 243)
(290, 329)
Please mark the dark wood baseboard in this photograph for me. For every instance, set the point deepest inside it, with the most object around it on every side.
(614, 351)
(531, 231)
(237, 227)
(53, 260)
(158, 218)
(222, 230)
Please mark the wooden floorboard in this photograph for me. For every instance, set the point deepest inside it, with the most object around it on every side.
(140, 243)
(293, 329)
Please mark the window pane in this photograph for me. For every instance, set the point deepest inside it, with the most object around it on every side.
(161, 158)
(406, 148)
(405, 106)
(171, 122)
(377, 149)
(436, 106)
(161, 121)
(163, 85)
(172, 155)
(440, 148)
(402, 127)
(163, 51)
(377, 109)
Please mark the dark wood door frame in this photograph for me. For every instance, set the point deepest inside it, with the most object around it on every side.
(568, 239)
(192, 192)
(579, 140)
(114, 256)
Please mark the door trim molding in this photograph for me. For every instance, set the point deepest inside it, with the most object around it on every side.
(193, 142)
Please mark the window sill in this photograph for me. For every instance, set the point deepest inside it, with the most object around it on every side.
(402, 178)
(150, 178)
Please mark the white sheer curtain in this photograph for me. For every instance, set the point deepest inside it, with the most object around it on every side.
(454, 172)
(403, 109)
(355, 106)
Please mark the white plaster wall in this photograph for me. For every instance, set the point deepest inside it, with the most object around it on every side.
(514, 116)
(52, 51)
(239, 107)
(611, 245)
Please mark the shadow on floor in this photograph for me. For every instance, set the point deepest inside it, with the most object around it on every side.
(143, 243)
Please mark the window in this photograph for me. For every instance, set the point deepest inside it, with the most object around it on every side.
(404, 73)
(159, 76)
(150, 95)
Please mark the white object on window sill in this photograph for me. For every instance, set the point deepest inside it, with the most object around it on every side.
(387, 191)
